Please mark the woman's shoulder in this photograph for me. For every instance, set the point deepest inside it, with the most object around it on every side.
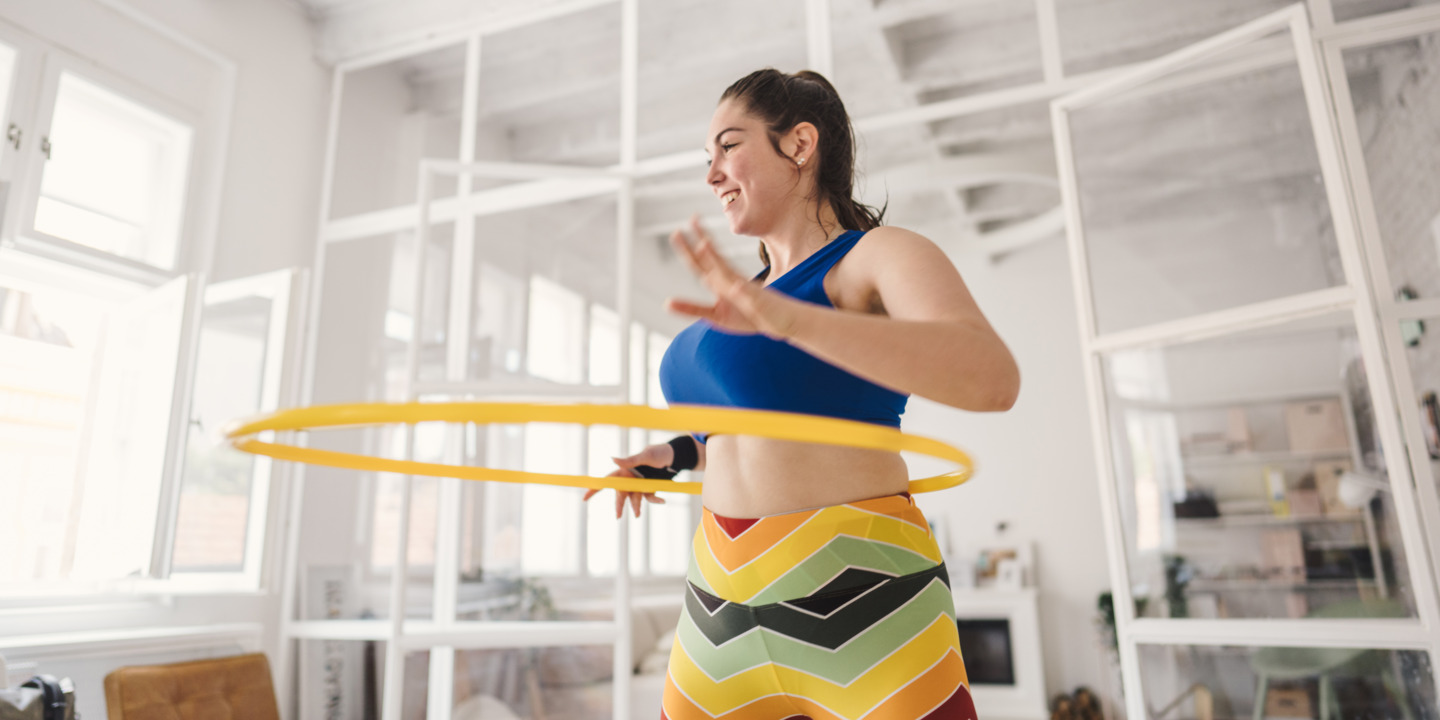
(888, 244)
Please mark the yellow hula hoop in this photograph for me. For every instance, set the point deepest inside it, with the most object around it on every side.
(685, 418)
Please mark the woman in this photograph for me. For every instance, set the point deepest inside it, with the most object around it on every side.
(816, 589)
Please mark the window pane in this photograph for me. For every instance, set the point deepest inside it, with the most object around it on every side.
(550, 542)
(500, 312)
(537, 682)
(557, 331)
(688, 57)
(604, 346)
(124, 460)
(48, 351)
(392, 115)
(115, 179)
(7, 78)
(655, 351)
(1290, 682)
(1422, 354)
(639, 376)
(600, 531)
(1202, 191)
(213, 517)
(541, 266)
(937, 51)
(550, 91)
(1250, 479)
(670, 535)
(1352, 9)
(1098, 34)
(1394, 87)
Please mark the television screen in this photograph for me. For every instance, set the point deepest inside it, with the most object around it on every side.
(986, 647)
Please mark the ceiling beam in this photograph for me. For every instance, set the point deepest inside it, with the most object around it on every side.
(354, 30)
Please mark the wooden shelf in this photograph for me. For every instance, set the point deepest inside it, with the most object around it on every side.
(1269, 520)
(1263, 458)
(1202, 585)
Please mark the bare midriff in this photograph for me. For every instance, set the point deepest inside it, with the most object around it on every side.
(749, 477)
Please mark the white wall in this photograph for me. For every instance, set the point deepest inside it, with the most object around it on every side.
(272, 175)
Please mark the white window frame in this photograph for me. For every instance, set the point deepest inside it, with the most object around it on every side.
(56, 64)
(44, 261)
(282, 288)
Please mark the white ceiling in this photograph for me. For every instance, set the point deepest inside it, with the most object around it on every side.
(549, 93)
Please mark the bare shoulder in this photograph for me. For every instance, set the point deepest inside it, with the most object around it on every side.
(887, 251)
(888, 239)
(910, 275)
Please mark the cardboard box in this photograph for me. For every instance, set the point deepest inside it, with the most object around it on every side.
(1282, 555)
(1305, 504)
(1316, 426)
(1288, 702)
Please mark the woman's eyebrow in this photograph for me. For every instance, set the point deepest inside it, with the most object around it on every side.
(722, 132)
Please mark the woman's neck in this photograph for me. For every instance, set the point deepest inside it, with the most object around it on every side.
(798, 236)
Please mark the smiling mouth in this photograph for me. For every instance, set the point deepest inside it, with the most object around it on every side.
(729, 197)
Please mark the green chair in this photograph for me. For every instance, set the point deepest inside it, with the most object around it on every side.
(1293, 663)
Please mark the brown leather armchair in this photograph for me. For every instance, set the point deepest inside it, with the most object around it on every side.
(217, 689)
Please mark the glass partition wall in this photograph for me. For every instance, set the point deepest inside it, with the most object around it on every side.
(494, 198)
(1268, 550)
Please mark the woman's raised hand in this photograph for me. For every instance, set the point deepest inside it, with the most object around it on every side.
(654, 456)
(740, 306)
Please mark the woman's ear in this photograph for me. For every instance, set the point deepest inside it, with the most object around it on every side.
(802, 142)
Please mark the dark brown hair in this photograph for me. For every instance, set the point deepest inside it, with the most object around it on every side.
(783, 101)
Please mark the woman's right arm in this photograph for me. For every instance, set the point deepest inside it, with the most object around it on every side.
(661, 455)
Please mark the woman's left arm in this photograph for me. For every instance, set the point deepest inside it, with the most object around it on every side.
(935, 342)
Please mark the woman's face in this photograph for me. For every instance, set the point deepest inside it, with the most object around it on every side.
(753, 184)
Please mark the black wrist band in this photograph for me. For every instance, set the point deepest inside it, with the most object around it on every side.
(687, 456)
(654, 473)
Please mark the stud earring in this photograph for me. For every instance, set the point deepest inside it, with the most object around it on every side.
(799, 162)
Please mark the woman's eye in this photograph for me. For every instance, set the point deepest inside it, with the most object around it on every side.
(727, 147)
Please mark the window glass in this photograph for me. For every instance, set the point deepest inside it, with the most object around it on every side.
(604, 346)
(655, 352)
(215, 491)
(85, 401)
(115, 177)
(1251, 484)
(48, 345)
(8, 56)
(550, 519)
(557, 317)
(1394, 88)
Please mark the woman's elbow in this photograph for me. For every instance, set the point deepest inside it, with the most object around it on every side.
(1005, 390)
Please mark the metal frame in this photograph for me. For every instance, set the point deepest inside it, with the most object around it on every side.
(543, 185)
(1422, 633)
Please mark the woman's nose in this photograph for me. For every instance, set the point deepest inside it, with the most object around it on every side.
(713, 174)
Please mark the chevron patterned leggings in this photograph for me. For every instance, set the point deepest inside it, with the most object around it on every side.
(839, 612)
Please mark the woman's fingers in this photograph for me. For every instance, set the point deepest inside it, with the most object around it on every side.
(690, 307)
(700, 232)
(686, 253)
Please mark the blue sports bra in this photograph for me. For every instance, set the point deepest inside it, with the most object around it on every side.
(707, 366)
